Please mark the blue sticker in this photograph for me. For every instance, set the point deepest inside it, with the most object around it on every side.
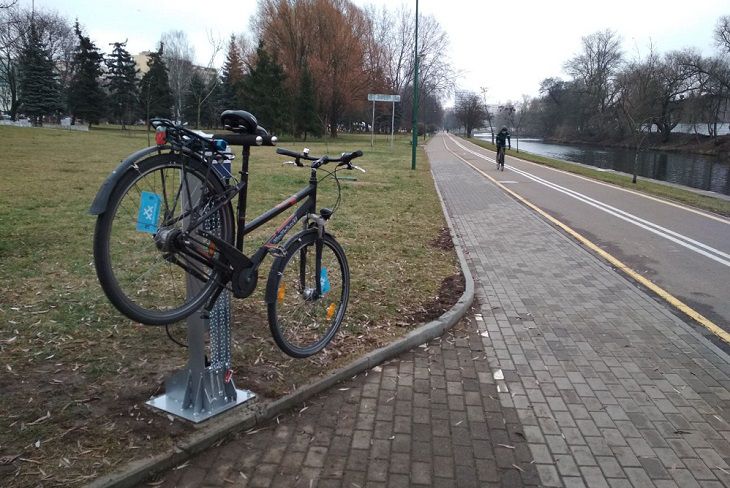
(324, 281)
(149, 212)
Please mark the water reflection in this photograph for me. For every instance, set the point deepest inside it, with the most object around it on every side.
(693, 170)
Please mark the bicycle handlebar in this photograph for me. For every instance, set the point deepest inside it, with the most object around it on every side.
(247, 139)
(344, 158)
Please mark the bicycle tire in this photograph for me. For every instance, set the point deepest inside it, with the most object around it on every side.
(141, 281)
(301, 324)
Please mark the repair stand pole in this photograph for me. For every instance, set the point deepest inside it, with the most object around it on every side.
(202, 390)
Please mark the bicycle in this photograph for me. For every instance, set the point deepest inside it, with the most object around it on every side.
(165, 216)
(500, 158)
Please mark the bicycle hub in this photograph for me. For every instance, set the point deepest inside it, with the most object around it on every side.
(168, 240)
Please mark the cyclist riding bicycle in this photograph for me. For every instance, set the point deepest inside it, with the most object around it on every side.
(502, 137)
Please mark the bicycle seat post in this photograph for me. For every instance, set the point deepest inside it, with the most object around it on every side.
(242, 196)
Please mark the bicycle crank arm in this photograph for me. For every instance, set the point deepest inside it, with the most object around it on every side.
(243, 275)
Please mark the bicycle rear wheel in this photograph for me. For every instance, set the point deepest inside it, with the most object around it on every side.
(302, 322)
(152, 265)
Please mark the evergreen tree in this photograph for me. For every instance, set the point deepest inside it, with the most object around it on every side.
(232, 78)
(86, 99)
(122, 83)
(39, 88)
(263, 91)
(155, 94)
(306, 120)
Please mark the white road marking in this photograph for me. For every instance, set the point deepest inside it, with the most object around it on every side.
(677, 238)
(597, 182)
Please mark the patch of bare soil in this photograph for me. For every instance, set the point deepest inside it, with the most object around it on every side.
(451, 290)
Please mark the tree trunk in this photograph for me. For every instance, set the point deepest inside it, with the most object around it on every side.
(666, 130)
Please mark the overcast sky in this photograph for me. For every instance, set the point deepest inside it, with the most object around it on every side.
(509, 47)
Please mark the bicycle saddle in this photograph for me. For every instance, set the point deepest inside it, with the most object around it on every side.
(239, 121)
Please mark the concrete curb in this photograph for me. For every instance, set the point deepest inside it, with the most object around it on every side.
(244, 418)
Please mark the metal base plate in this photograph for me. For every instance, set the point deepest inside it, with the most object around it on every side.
(173, 404)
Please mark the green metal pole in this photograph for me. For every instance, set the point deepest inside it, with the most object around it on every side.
(414, 127)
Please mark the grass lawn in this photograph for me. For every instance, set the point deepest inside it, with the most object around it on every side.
(643, 185)
(76, 374)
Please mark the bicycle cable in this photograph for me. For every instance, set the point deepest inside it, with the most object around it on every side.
(169, 334)
(333, 174)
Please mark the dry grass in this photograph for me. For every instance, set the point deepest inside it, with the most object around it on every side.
(76, 374)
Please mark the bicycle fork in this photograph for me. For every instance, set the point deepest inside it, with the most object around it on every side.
(319, 221)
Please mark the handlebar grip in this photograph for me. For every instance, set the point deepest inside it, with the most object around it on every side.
(287, 152)
(347, 157)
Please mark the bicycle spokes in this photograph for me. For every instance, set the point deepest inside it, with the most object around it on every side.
(312, 296)
(149, 248)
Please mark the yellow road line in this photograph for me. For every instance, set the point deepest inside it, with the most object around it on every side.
(661, 292)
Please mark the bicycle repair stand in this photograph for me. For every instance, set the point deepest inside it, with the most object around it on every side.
(201, 391)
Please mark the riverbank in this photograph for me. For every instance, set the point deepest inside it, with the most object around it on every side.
(683, 143)
(686, 196)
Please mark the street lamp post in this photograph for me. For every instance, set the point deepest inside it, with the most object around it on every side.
(414, 126)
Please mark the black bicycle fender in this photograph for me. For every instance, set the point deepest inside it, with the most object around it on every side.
(278, 265)
(101, 200)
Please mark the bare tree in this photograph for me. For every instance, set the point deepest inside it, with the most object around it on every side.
(200, 93)
(469, 110)
(594, 68)
(394, 31)
(520, 114)
(10, 46)
(178, 56)
(722, 33)
(487, 112)
(637, 86)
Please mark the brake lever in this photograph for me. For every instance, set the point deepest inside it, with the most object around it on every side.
(357, 167)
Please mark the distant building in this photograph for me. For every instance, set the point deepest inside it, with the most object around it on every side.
(141, 60)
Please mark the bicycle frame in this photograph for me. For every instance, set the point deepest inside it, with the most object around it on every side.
(234, 254)
(309, 207)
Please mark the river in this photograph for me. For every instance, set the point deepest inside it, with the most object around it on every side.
(693, 170)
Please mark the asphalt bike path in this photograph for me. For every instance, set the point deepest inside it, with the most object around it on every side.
(565, 374)
(610, 385)
(683, 250)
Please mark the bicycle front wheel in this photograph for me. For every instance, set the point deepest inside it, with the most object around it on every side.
(151, 260)
(304, 317)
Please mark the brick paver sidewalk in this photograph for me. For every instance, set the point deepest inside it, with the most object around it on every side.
(568, 375)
